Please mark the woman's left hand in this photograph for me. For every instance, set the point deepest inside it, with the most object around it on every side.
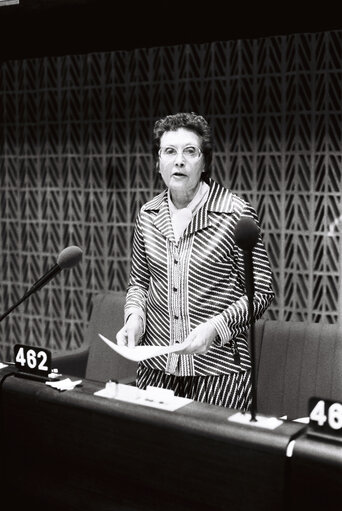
(200, 339)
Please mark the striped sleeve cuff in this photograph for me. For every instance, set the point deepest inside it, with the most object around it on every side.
(222, 329)
(136, 310)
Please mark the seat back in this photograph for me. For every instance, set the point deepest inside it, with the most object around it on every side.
(297, 361)
(107, 318)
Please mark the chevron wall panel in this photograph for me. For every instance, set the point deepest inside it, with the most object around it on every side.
(75, 166)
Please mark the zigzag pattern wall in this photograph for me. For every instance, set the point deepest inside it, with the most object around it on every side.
(75, 165)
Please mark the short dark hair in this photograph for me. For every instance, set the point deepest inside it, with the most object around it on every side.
(189, 121)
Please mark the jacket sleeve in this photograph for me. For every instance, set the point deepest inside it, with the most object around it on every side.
(139, 276)
(236, 319)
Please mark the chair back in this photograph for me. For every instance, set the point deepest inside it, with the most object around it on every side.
(297, 360)
(107, 318)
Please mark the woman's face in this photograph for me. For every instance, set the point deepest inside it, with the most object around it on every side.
(181, 172)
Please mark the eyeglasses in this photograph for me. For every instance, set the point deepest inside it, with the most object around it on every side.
(190, 153)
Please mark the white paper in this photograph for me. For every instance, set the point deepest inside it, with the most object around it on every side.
(139, 353)
(65, 384)
(303, 420)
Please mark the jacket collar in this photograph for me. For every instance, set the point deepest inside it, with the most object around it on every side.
(220, 200)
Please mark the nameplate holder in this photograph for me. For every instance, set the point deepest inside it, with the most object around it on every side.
(32, 362)
(154, 397)
(325, 419)
(261, 421)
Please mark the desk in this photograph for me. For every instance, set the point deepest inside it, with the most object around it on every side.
(76, 451)
(315, 479)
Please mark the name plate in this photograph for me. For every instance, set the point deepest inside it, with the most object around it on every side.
(32, 360)
(325, 417)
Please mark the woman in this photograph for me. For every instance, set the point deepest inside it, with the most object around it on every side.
(187, 275)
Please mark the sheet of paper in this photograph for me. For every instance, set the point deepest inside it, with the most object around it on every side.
(303, 420)
(65, 384)
(139, 353)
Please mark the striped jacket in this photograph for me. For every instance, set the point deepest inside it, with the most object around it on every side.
(179, 286)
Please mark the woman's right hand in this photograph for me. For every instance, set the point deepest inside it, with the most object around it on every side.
(130, 334)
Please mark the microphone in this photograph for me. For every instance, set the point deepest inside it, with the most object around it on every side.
(66, 259)
(246, 237)
(246, 233)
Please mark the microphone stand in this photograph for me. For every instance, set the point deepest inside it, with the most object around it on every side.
(249, 284)
(36, 286)
(39, 284)
(66, 259)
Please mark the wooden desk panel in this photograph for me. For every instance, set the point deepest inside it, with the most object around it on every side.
(73, 450)
(316, 475)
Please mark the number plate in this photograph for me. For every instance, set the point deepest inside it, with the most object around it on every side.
(32, 360)
(325, 416)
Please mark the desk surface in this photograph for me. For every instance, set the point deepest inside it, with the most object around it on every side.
(73, 450)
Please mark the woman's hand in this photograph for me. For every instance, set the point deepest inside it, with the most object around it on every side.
(130, 334)
(200, 339)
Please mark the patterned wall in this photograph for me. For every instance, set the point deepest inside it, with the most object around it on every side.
(75, 165)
